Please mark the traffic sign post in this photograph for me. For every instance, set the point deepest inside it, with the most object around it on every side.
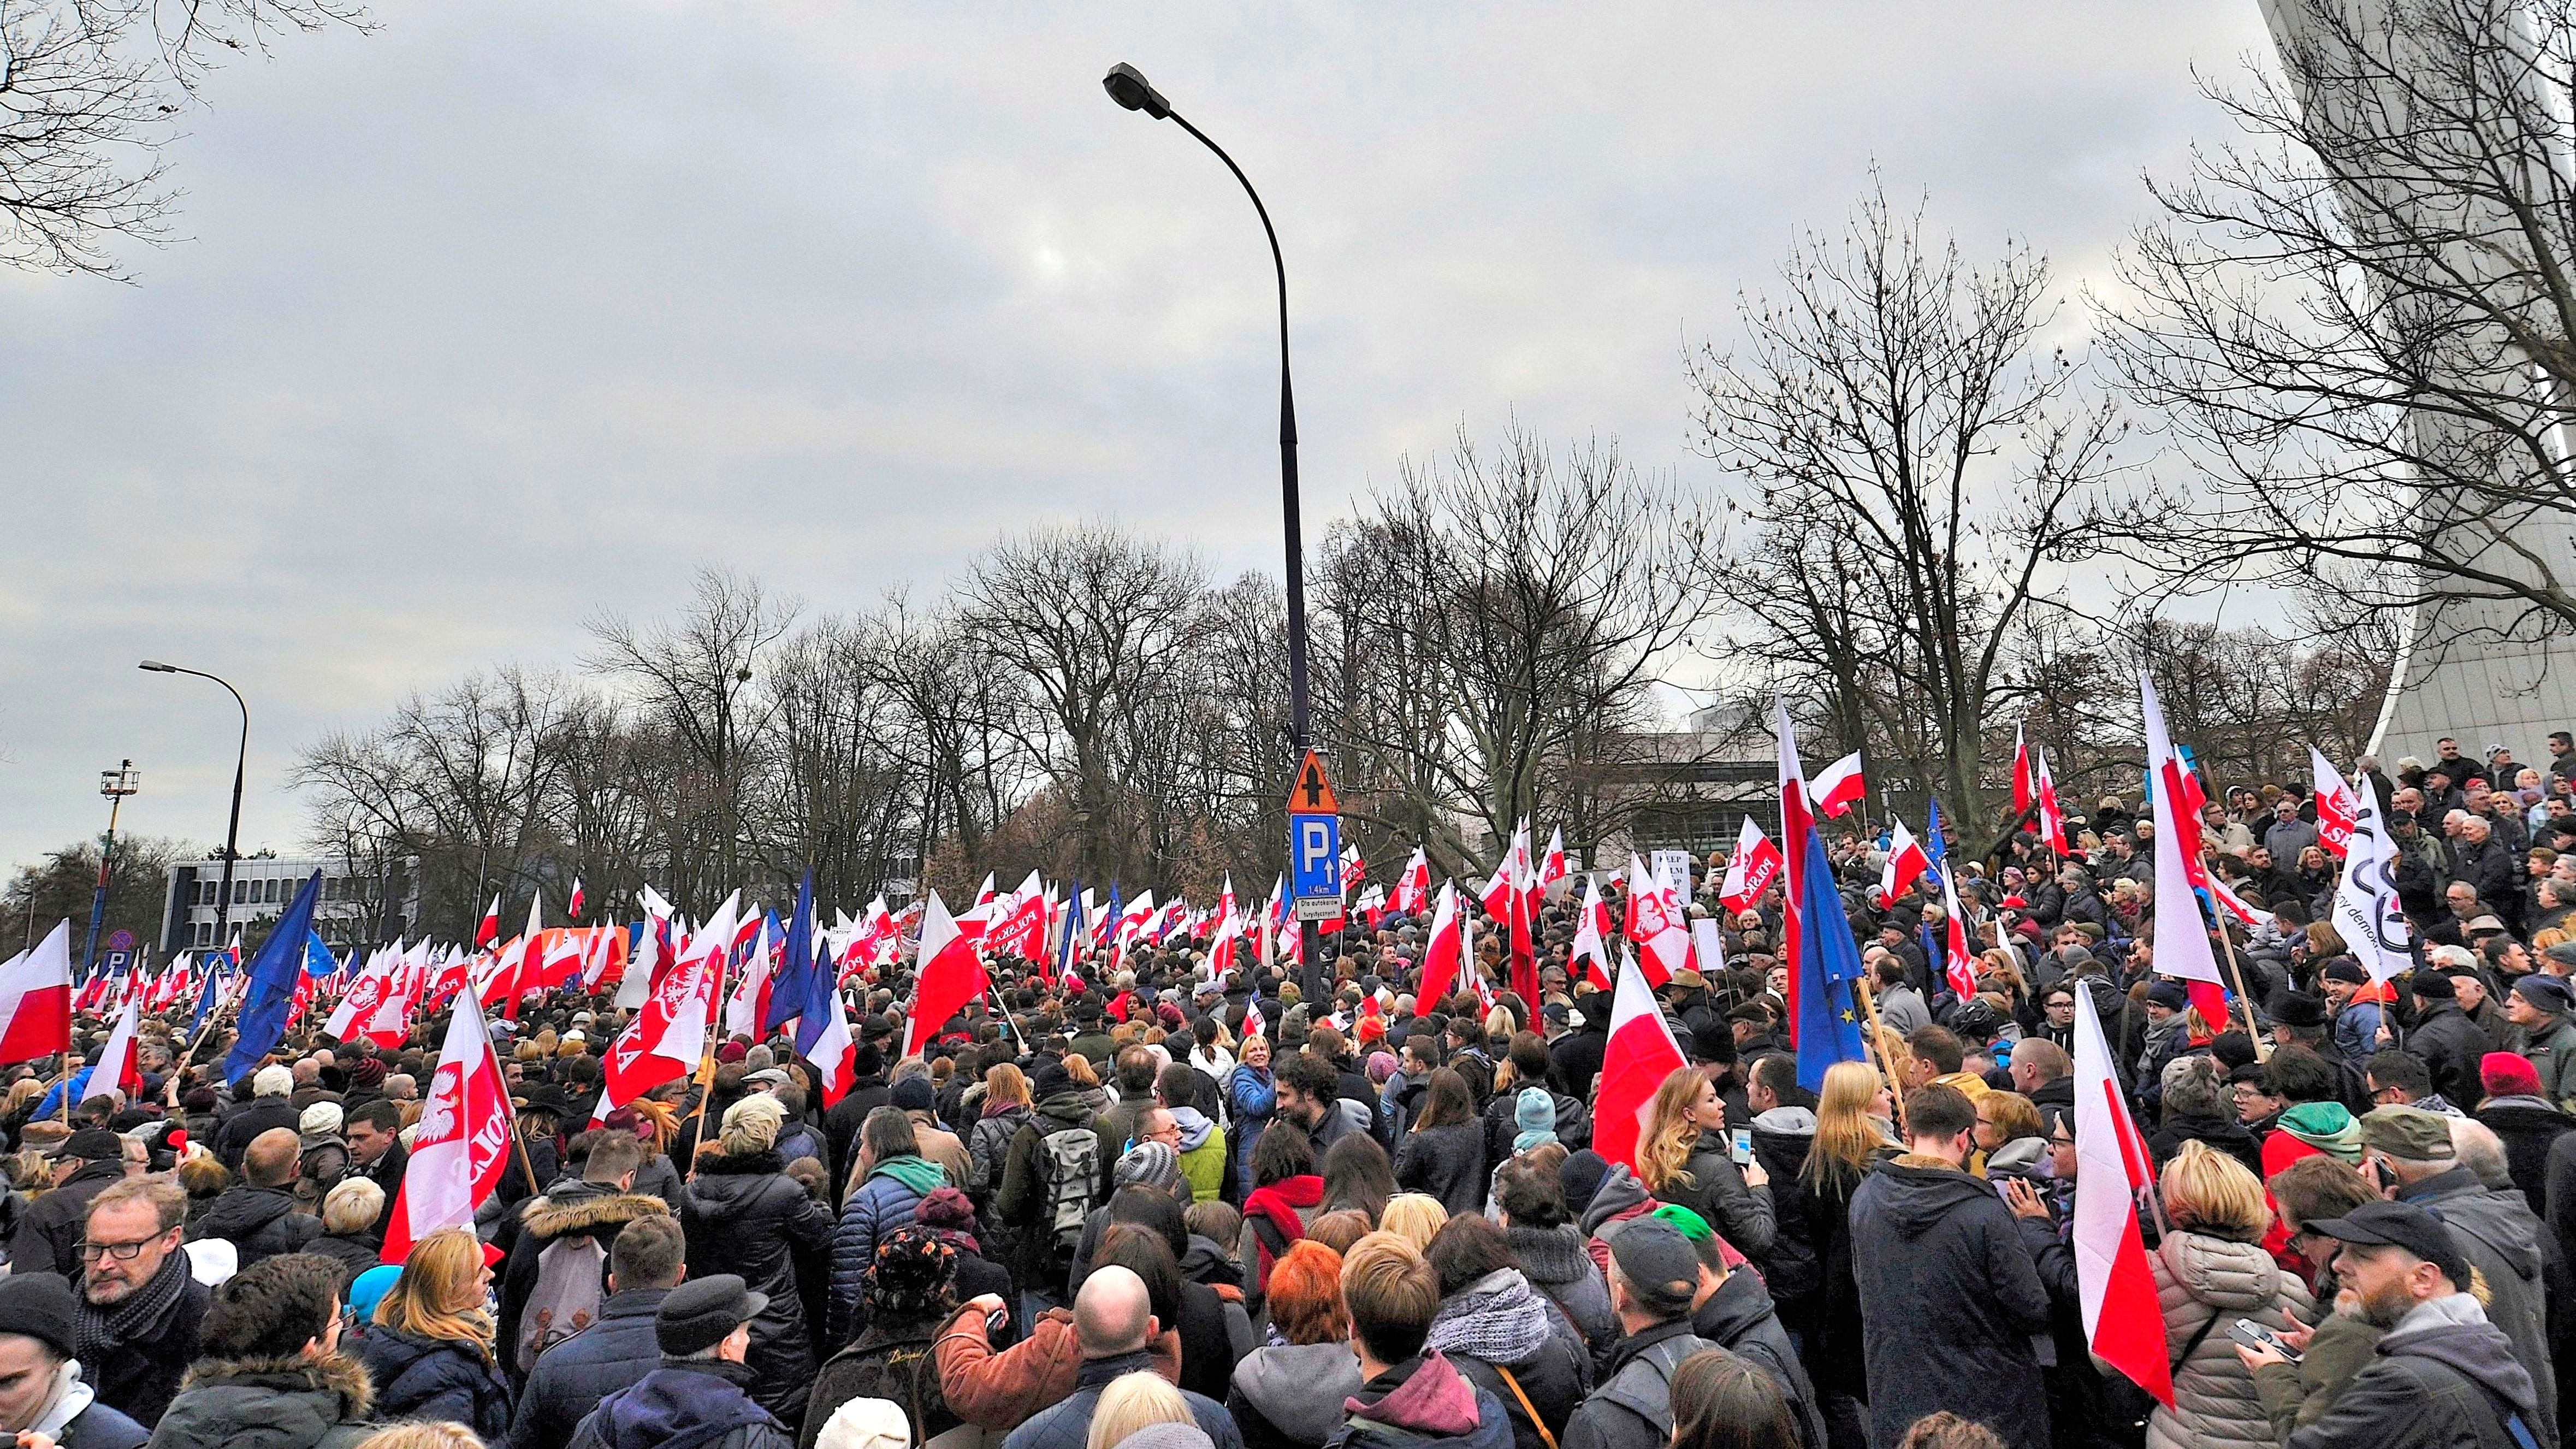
(1314, 863)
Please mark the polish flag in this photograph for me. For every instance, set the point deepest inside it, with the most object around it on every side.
(1750, 871)
(1963, 957)
(2025, 789)
(2052, 816)
(1253, 1025)
(1656, 925)
(490, 931)
(1444, 959)
(1413, 887)
(1551, 866)
(1353, 869)
(876, 929)
(365, 995)
(2122, 1320)
(2181, 938)
(36, 999)
(949, 975)
(1591, 935)
(461, 1144)
(388, 1024)
(669, 1034)
(116, 1067)
(2336, 808)
(572, 907)
(1906, 864)
(1839, 787)
(979, 918)
(2234, 904)
(1021, 930)
(1640, 1054)
(750, 999)
(1521, 945)
(1229, 930)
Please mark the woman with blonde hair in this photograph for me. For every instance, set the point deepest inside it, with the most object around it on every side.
(1131, 1402)
(1414, 1217)
(2211, 1270)
(429, 1347)
(1683, 1157)
(1852, 1138)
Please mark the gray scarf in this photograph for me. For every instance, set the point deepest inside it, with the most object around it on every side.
(98, 1332)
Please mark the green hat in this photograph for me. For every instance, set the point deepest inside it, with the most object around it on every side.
(2409, 1134)
(2325, 1126)
(1686, 1222)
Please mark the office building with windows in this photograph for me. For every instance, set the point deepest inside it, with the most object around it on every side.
(357, 907)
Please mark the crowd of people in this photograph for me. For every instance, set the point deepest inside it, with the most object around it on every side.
(1091, 1217)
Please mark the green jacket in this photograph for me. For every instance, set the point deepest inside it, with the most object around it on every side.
(2294, 1395)
(2553, 1055)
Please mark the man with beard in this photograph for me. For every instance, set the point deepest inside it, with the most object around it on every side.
(2443, 1374)
(139, 1308)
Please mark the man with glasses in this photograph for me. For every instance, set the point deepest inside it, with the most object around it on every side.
(139, 1308)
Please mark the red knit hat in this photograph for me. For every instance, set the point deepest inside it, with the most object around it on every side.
(2508, 1074)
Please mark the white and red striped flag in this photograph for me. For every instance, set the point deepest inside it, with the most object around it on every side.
(461, 1144)
(1656, 925)
(949, 974)
(2122, 1320)
(116, 1067)
(1443, 956)
(669, 1034)
(1591, 935)
(1750, 870)
(36, 999)
(1906, 864)
(1639, 1055)
(2336, 807)
(572, 906)
(2181, 939)
(1838, 787)
(489, 930)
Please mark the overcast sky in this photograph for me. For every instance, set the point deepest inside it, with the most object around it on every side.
(511, 312)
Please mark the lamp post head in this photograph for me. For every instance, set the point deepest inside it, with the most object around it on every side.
(157, 667)
(1128, 87)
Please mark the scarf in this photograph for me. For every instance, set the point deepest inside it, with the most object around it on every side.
(98, 1332)
(1496, 1319)
(1277, 1204)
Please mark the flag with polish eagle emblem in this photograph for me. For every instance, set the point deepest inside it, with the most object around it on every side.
(461, 1144)
(1750, 870)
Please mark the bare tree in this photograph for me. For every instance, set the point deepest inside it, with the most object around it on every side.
(2357, 322)
(88, 90)
(1915, 467)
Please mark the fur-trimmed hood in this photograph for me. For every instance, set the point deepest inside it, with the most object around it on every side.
(550, 1217)
(270, 1403)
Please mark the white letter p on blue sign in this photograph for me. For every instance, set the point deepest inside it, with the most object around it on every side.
(1314, 845)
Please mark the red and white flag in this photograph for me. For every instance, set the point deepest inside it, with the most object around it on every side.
(669, 1034)
(1591, 949)
(36, 999)
(1838, 787)
(2122, 1320)
(2025, 788)
(949, 975)
(365, 995)
(1962, 967)
(1906, 864)
(1656, 925)
(116, 1067)
(1413, 887)
(1639, 1055)
(1750, 871)
(2336, 807)
(1552, 867)
(2181, 939)
(462, 1142)
(1443, 957)
(2052, 817)
(490, 930)
(1229, 930)
(1021, 927)
(572, 907)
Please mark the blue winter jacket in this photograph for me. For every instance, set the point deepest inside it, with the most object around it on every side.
(1250, 1099)
(886, 1201)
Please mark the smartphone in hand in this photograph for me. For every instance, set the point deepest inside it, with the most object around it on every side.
(1741, 1149)
(2254, 1335)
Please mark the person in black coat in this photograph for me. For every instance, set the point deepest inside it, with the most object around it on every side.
(743, 1215)
(1444, 1154)
(2198, 1108)
(270, 1107)
(428, 1348)
(573, 1376)
(1949, 1296)
(140, 1315)
(2450, 1044)
(49, 1231)
(37, 1339)
(1577, 1056)
(257, 1214)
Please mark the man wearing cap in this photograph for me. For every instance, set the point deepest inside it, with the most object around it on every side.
(49, 1232)
(1654, 1280)
(2540, 1007)
(1950, 1298)
(2442, 1375)
(2356, 1022)
(2496, 1232)
(41, 1387)
(700, 1394)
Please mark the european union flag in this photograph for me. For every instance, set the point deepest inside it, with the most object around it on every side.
(273, 976)
(789, 996)
(1935, 846)
(1828, 962)
(1074, 926)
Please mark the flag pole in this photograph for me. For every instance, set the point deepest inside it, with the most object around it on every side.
(510, 1119)
(707, 1063)
(1869, 1045)
(2244, 998)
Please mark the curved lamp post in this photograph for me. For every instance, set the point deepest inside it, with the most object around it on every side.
(232, 829)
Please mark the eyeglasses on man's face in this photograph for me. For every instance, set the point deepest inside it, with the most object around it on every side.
(121, 1252)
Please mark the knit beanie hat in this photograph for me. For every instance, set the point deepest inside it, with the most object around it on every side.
(2327, 1127)
(912, 1273)
(1151, 1163)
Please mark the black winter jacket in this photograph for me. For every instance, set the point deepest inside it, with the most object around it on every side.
(1739, 1318)
(1950, 1302)
(2451, 1045)
(247, 1121)
(568, 1211)
(1573, 1125)
(744, 1215)
(574, 1375)
(260, 1222)
(433, 1378)
(269, 1403)
(1448, 1162)
(138, 1375)
(49, 1231)
(1718, 1193)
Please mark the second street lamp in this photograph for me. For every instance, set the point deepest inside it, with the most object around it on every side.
(1129, 88)
(232, 828)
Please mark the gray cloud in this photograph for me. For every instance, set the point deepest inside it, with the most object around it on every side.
(510, 312)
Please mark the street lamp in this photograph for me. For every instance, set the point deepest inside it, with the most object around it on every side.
(115, 784)
(232, 829)
(1129, 88)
